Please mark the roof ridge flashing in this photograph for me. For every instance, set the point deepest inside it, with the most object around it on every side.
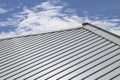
(85, 24)
(102, 32)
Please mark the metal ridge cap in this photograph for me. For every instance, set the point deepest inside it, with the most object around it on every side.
(102, 32)
(84, 24)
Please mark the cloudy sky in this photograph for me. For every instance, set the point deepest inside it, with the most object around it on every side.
(24, 17)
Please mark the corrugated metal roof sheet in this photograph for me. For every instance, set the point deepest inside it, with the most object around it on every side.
(85, 53)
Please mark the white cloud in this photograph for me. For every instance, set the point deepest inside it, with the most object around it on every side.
(115, 20)
(48, 16)
(2, 10)
(10, 21)
(48, 6)
(70, 10)
(7, 34)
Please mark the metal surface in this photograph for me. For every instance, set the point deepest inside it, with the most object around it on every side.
(76, 54)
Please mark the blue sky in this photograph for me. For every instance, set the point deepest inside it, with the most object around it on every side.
(24, 17)
(96, 7)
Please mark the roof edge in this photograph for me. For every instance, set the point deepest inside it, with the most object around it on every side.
(84, 24)
(38, 33)
(102, 32)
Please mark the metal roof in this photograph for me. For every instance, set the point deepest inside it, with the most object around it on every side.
(85, 53)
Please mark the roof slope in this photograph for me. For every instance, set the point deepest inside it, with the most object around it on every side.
(85, 53)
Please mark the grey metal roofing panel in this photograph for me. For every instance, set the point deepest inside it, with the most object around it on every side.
(76, 54)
